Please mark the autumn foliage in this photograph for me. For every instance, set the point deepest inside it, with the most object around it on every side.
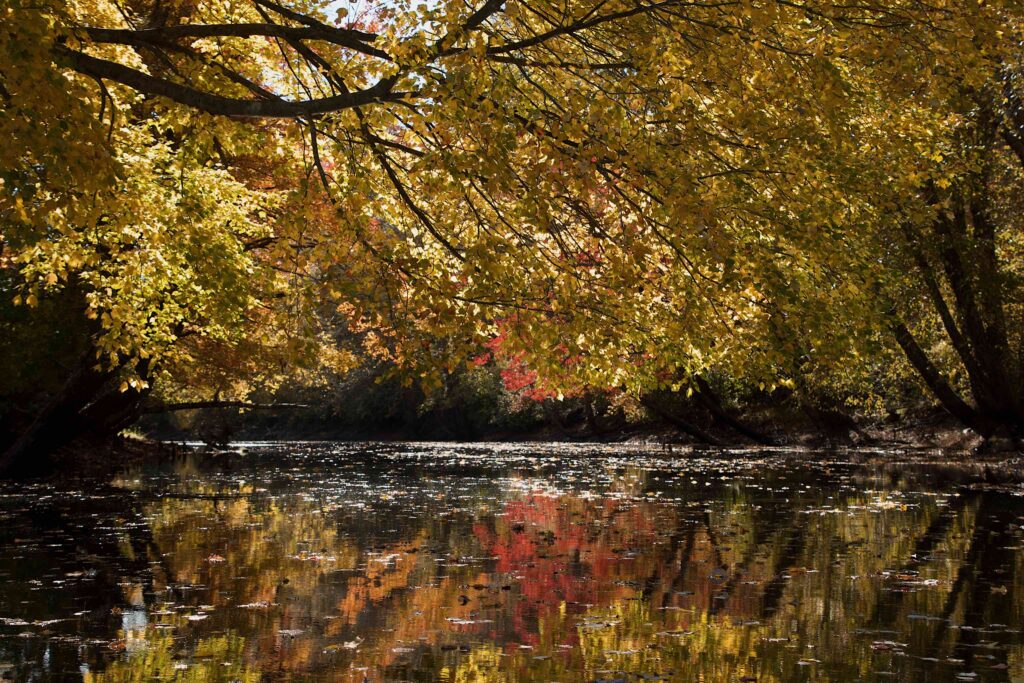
(199, 199)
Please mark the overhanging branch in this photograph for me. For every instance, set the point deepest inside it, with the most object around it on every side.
(218, 104)
(198, 405)
(354, 40)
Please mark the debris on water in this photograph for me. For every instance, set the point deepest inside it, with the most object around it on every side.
(527, 561)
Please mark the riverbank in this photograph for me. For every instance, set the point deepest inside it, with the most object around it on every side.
(929, 433)
(923, 430)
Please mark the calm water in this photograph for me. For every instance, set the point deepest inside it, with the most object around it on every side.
(513, 563)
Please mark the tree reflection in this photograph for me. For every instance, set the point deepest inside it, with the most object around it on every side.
(802, 575)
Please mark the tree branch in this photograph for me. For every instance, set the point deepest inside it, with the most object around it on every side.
(353, 40)
(197, 405)
(577, 27)
(218, 104)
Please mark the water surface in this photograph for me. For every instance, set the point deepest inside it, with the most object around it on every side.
(316, 562)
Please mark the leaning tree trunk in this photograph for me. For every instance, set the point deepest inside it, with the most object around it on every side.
(709, 399)
(89, 404)
(651, 403)
(963, 267)
(940, 388)
(56, 422)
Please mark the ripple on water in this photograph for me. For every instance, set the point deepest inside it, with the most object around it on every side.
(515, 562)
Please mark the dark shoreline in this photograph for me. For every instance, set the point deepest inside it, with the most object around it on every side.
(923, 432)
(998, 460)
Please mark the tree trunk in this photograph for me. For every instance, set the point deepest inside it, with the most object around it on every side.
(938, 385)
(710, 400)
(56, 423)
(679, 423)
(975, 373)
(991, 298)
(995, 397)
(591, 416)
(965, 237)
(86, 406)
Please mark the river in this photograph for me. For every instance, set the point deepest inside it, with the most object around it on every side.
(517, 562)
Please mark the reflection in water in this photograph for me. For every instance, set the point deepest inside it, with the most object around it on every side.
(429, 563)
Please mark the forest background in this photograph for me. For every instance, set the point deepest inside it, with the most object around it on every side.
(468, 219)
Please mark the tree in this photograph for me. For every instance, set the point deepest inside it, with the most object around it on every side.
(156, 238)
(636, 194)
